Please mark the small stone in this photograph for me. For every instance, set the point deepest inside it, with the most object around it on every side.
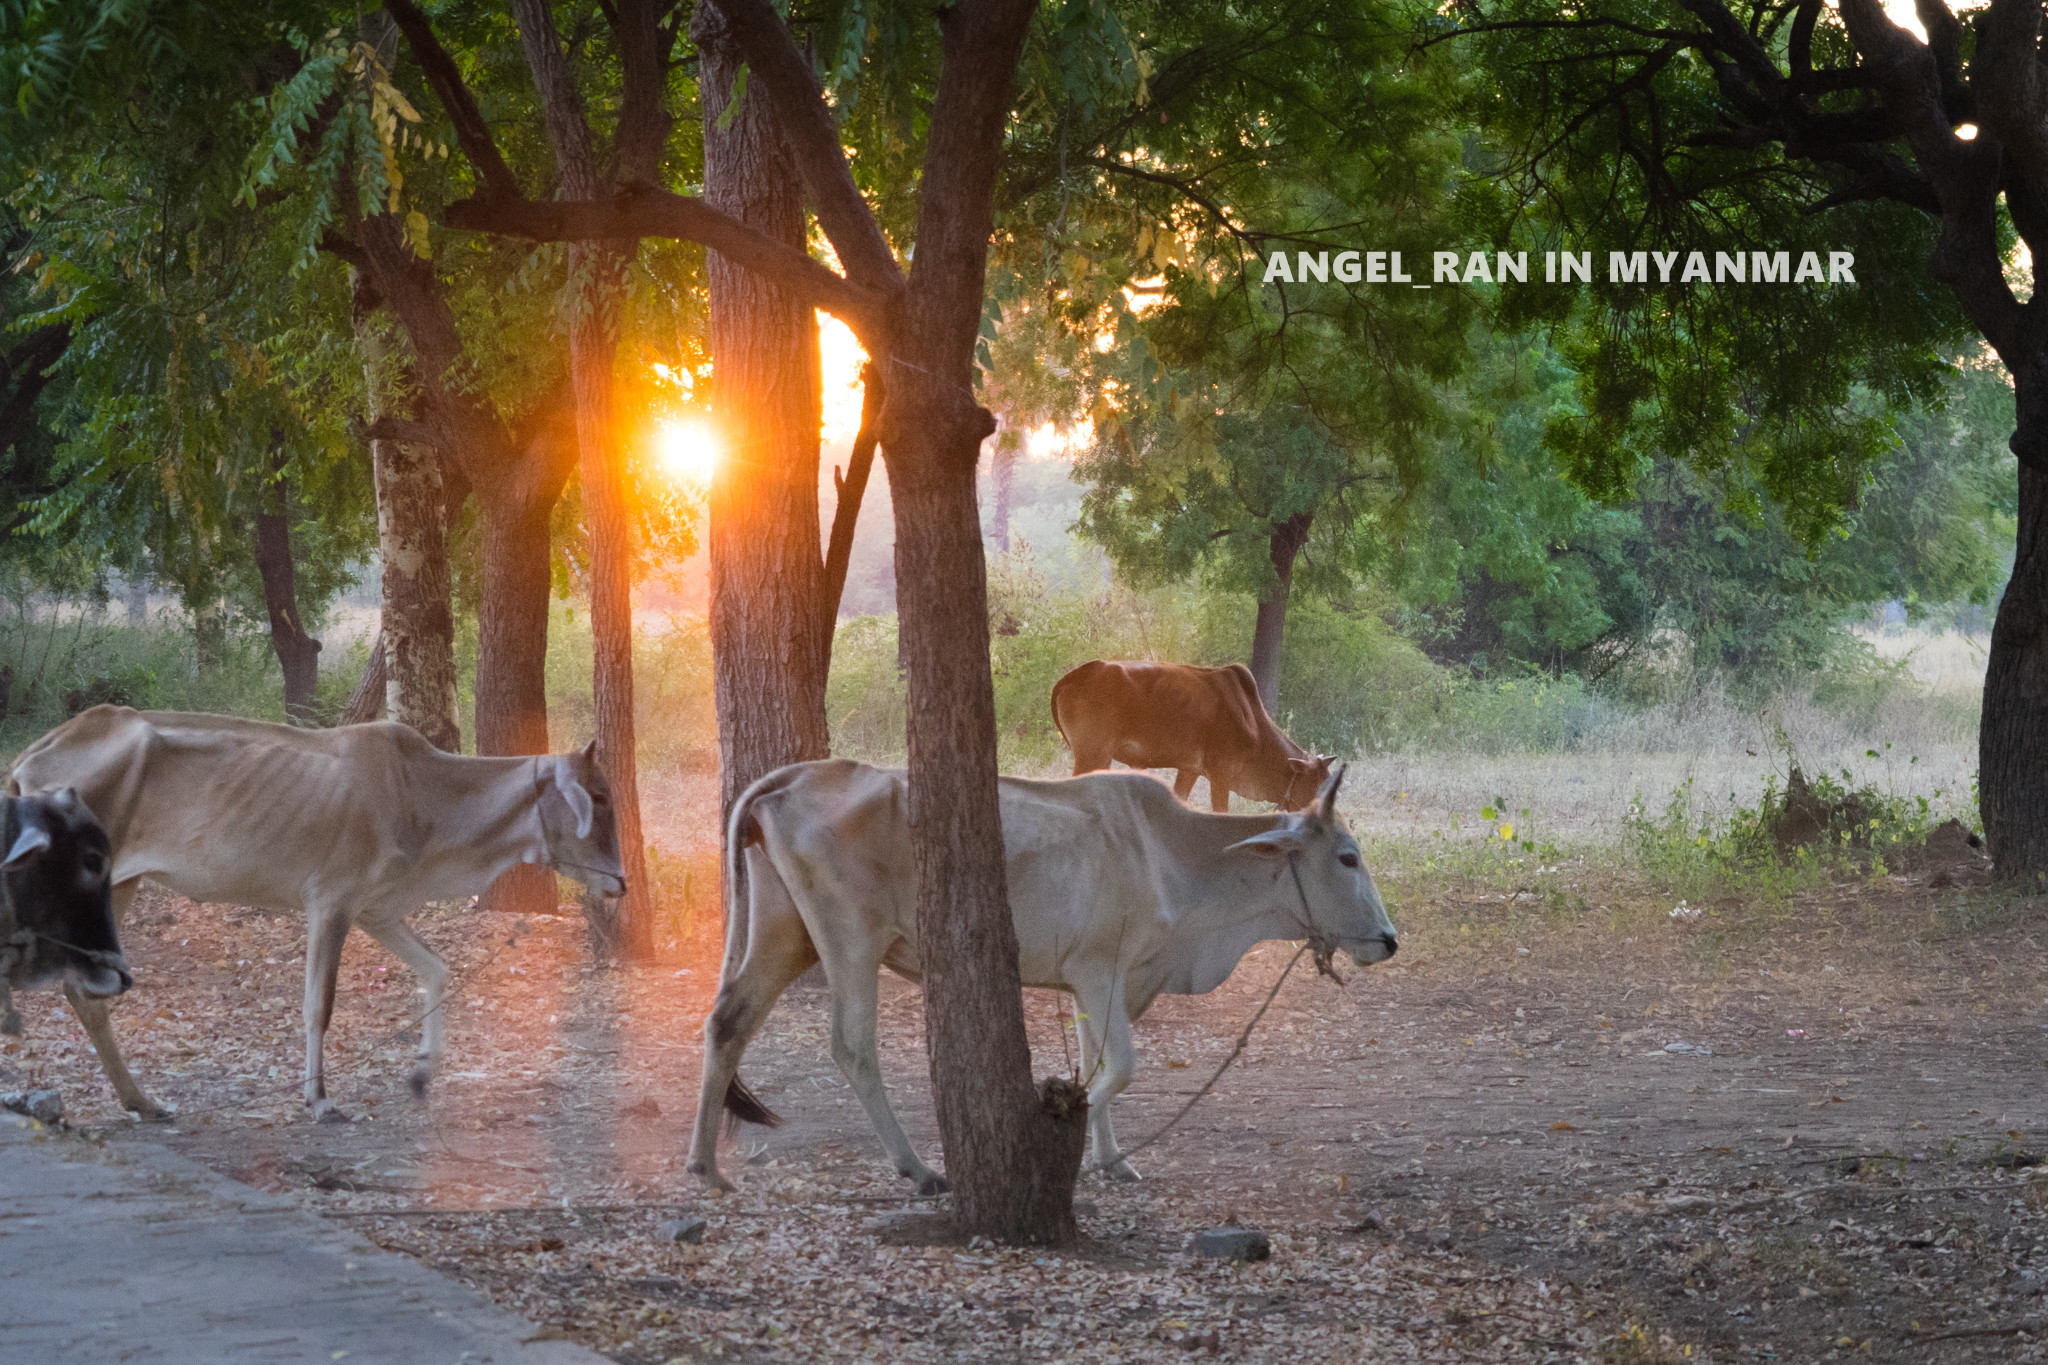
(1233, 1244)
(1689, 1049)
(645, 1109)
(681, 1230)
(44, 1106)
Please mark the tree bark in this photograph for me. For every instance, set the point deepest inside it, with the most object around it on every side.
(366, 702)
(769, 624)
(592, 299)
(607, 518)
(416, 634)
(2012, 738)
(1003, 473)
(298, 653)
(1269, 631)
(511, 691)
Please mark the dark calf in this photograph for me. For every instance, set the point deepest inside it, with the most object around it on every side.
(56, 901)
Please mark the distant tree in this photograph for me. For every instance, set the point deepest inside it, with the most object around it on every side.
(1255, 429)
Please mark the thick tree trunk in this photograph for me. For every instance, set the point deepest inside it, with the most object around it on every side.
(417, 633)
(593, 348)
(511, 677)
(298, 653)
(769, 621)
(1270, 629)
(1012, 1165)
(2012, 757)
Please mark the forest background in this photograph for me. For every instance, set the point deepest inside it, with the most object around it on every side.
(1392, 508)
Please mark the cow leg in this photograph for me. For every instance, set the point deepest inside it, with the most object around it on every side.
(1107, 1061)
(854, 1001)
(390, 929)
(1184, 782)
(325, 931)
(1219, 797)
(96, 1016)
(778, 952)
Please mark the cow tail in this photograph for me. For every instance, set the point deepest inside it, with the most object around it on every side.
(1056, 689)
(741, 1104)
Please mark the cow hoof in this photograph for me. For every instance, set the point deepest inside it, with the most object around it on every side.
(327, 1113)
(930, 1184)
(711, 1179)
(151, 1113)
(420, 1076)
(1123, 1171)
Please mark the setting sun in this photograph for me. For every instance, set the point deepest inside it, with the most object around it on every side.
(686, 450)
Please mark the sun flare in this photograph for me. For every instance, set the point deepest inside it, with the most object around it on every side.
(686, 450)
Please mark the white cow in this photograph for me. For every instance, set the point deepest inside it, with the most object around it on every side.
(356, 825)
(1118, 891)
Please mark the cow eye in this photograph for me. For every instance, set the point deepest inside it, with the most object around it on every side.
(1348, 858)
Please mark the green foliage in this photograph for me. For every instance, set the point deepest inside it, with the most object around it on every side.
(1701, 848)
(1695, 575)
(1594, 136)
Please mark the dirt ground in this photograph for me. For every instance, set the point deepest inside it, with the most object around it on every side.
(1482, 1151)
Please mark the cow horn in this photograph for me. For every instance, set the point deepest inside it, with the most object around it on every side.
(1328, 809)
(34, 839)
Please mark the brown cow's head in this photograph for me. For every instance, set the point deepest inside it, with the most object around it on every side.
(1306, 778)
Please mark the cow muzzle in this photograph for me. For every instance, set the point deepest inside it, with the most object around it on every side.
(101, 976)
(1375, 950)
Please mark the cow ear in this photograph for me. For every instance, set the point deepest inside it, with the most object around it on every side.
(1328, 795)
(590, 751)
(578, 799)
(34, 840)
(1274, 843)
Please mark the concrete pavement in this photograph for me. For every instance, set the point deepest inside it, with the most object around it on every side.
(134, 1253)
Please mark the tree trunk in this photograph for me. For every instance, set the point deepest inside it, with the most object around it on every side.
(593, 348)
(2012, 755)
(135, 596)
(1011, 1164)
(1003, 473)
(209, 626)
(769, 622)
(592, 296)
(417, 632)
(298, 653)
(366, 703)
(511, 675)
(1287, 539)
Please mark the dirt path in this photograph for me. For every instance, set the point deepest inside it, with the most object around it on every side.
(1484, 1152)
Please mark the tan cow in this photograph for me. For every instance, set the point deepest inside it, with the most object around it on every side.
(356, 825)
(1205, 722)
(1119, 894)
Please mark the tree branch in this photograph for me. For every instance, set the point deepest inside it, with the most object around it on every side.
(657, 213)
(851, 488)
(470, 130)
(786, 78)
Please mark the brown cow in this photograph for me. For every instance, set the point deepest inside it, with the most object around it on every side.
(1205, 722)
